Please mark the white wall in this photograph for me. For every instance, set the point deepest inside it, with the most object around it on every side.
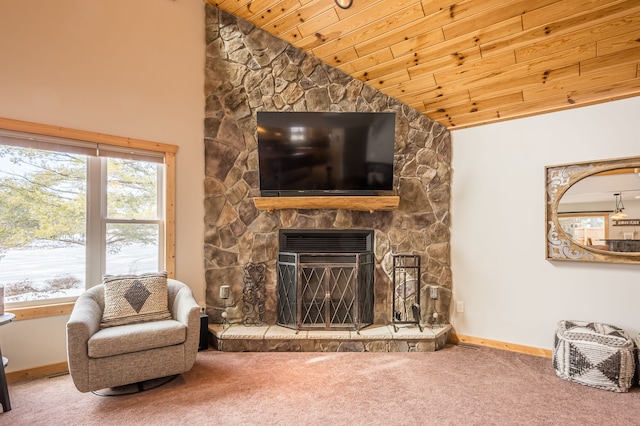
(121, 67)
(511, 293)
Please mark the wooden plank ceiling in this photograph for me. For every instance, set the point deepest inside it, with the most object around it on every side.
(469, 62)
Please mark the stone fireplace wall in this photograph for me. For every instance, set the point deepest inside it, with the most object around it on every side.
(249, 70)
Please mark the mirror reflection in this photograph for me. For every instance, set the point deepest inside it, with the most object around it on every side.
(602, 211)
(593, 211)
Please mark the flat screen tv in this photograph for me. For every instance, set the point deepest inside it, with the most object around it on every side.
(325, 153)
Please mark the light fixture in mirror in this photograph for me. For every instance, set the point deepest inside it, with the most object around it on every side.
(618, 211)
(582, 223)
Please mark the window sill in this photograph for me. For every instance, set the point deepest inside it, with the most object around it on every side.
(41, 311)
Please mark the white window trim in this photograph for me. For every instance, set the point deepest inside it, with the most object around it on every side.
(97, 229)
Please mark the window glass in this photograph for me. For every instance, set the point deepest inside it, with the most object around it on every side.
(42, 223)
(67, 218)
(588, 229)
(132, 248)
(132, 189)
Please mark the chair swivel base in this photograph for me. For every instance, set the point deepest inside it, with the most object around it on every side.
(134, 387)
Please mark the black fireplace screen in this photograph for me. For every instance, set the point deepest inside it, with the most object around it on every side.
(325, 291)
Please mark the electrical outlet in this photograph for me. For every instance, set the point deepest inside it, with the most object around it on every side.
(460, 306)
(225, 292)
(433, 292)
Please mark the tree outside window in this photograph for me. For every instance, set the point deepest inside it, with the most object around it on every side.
(66, 219)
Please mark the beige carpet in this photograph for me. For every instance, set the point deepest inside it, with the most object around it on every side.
(454, 386)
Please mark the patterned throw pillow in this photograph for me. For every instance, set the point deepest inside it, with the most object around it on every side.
(130, 299)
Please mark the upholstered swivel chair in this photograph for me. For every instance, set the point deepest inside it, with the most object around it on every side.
(133, 353)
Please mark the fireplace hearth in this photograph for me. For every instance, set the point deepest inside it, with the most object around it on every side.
(325, 279)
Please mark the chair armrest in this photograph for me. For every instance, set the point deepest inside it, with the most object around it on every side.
(85, 318)
(184, 306)
(186, 310)
(83, 323)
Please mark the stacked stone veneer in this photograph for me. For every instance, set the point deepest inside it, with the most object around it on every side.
(249, 70)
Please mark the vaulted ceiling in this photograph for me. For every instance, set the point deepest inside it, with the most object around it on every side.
(468, 62)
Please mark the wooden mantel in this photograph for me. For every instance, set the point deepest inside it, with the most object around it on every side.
(364, 203)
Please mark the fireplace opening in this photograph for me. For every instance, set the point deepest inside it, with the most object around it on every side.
(325, 279)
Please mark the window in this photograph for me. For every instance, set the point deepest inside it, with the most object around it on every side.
(132, 228)
(72, 211)
(585, 228)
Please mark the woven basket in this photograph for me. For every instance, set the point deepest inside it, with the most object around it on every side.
(594, 354)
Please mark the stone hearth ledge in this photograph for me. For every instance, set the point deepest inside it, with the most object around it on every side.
(374, 338)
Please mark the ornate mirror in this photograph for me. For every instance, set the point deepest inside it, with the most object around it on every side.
(593, 211)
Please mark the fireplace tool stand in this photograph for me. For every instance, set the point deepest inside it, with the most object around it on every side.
(406, 290)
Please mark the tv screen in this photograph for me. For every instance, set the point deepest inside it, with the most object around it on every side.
(325, 153)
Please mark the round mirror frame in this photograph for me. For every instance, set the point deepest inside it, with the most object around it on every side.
(559, 179)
